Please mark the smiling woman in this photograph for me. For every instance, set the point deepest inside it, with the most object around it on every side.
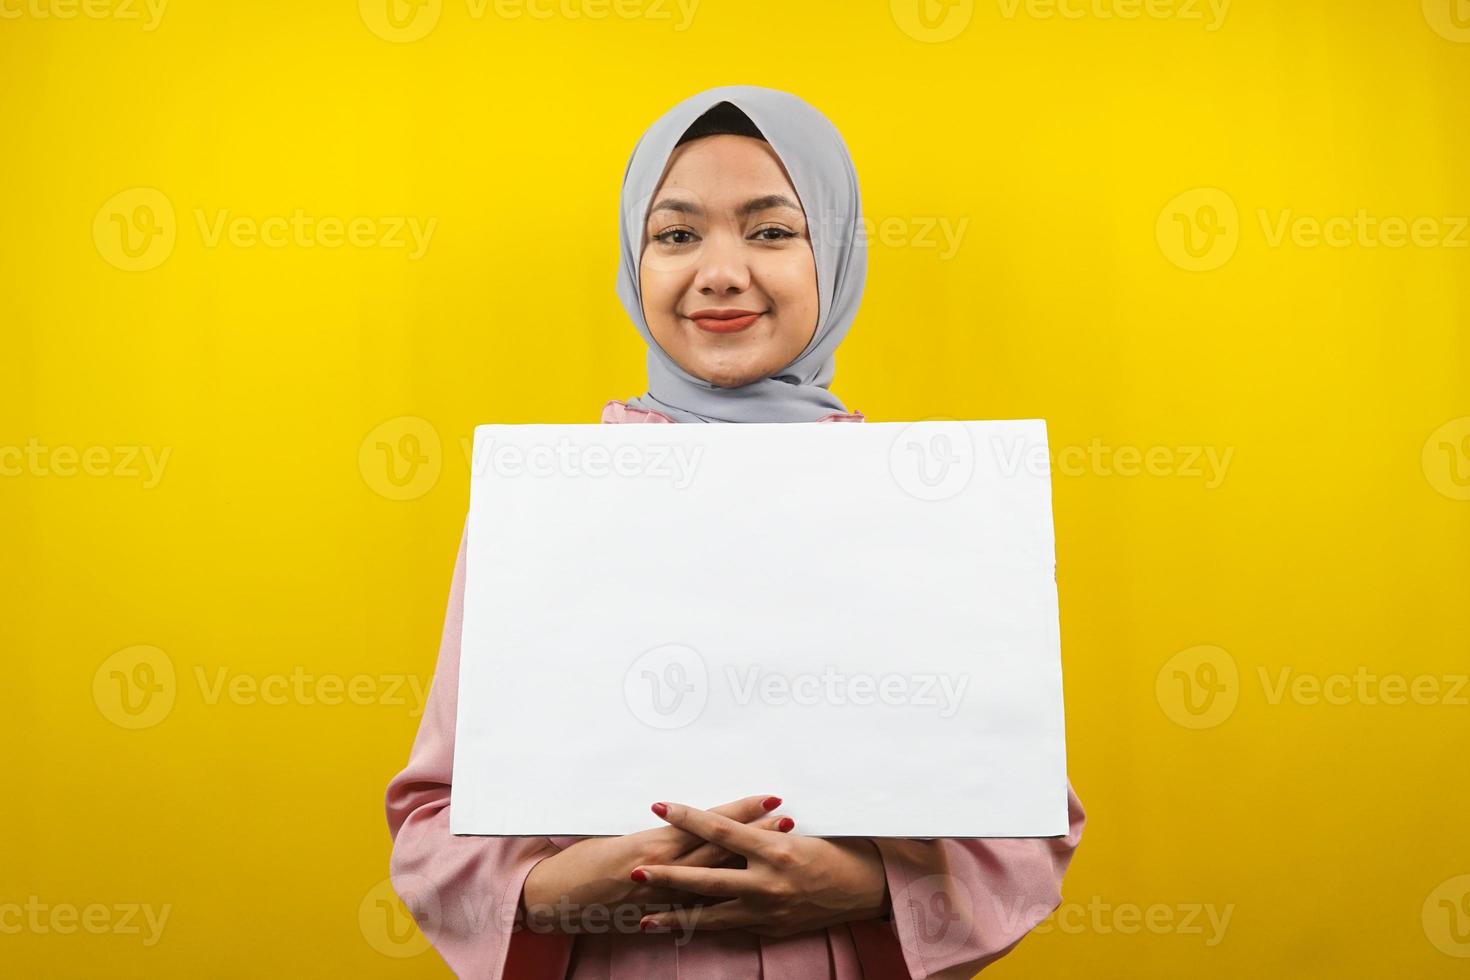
(743, 259)
(741, 304)
(728, 278)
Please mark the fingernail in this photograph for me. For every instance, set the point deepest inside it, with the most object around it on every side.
(661, 809)
(648, 925)
(770, 803)
(639, 874)
(785, 824)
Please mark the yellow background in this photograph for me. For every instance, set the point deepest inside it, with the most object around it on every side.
(1335, 377)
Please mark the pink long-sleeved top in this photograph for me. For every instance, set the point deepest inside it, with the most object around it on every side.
(957, 904)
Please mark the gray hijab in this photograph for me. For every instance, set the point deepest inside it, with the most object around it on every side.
(817, 161)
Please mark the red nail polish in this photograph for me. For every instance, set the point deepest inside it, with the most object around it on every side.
(661, 809)
(639, 874)
(785, 824)
(770, 803)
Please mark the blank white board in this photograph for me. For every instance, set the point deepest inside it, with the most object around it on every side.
(860, 618)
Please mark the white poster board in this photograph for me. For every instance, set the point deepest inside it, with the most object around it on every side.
(858, 618)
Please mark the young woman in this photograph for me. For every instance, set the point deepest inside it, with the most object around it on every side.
(743, 262)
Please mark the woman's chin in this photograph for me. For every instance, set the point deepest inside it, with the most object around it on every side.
(727, 376)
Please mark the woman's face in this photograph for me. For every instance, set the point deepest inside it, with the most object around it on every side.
(728, 278)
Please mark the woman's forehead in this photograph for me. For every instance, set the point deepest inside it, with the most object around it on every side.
(725, 159)
(724, 180)
(676, 201)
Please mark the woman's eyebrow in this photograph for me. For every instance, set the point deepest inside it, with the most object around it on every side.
(764, 203)
(767, 203)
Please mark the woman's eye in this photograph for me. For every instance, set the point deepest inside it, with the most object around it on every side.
(667, 237)
(774, 234)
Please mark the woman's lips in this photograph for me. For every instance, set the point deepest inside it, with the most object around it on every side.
(723, 321)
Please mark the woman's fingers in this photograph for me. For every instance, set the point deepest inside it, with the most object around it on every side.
(726, 915)
(708, 855)
(744, 810)
(748, 809)
(671, 843)
(716, 828)
(715, 882)
(659, 895)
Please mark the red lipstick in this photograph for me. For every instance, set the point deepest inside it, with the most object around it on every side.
(724, 320)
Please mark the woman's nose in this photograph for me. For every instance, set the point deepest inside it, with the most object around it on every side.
(722, 266)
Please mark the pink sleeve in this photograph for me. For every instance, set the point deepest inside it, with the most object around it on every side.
(961, 904)
(465, 892)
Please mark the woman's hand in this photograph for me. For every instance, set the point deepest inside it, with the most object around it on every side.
(588, 880)
(790, 883)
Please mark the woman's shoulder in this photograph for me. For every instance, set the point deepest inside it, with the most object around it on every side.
(617, 412)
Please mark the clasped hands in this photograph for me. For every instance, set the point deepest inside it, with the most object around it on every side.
(737, 866)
